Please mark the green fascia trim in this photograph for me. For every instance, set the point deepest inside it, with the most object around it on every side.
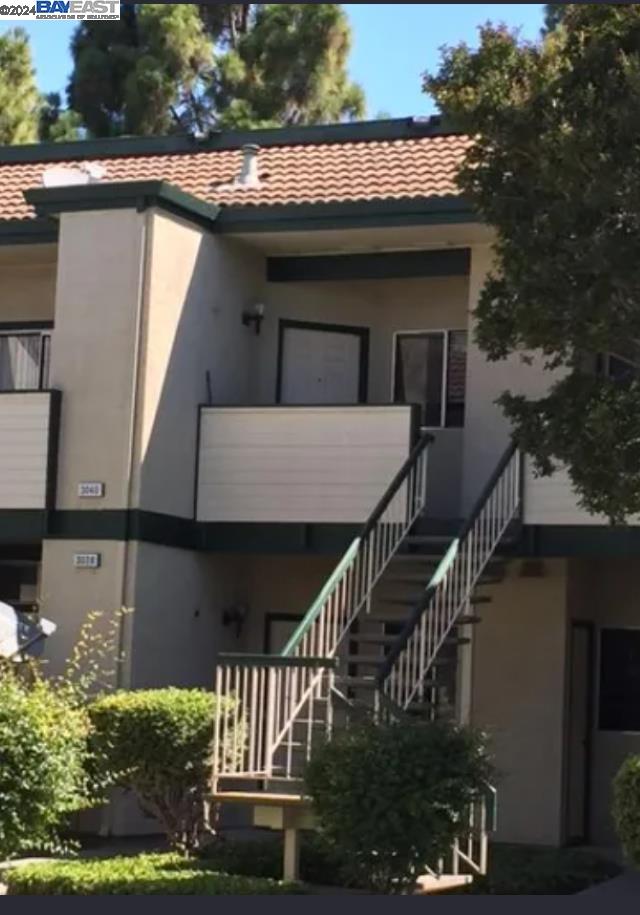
(256, 537)
(563, 541)
(390, 129)
(139, 195)
(22, 526)
(31, 526)
(390, 265)
(354, 215)
(27, 232)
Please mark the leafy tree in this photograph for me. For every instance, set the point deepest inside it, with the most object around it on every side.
(555, 169)
(57, 124)
(553, 15)
(182, 67)
(19, 97)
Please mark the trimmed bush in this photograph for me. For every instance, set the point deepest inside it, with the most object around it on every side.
(43, 750)
(521, 870)
(391, 799)
(158, 744)
(143, 875)
(320, 863)
(626, 808)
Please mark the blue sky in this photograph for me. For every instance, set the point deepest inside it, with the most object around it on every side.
(393, 44)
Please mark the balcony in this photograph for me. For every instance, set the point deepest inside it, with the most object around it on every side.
(28, 448)
(298, 464)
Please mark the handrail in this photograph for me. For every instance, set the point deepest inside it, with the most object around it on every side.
(443, 566)
(487, 489)
(423, 441)
(467, 554)
(316, 607)
(354, 548)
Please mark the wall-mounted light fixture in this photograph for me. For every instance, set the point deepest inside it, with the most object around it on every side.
(253, 315)
(236, 615)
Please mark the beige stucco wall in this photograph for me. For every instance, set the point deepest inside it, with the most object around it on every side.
(278, 584)
(486, 432)
(68, 595)
(518, 697)
(27, 289)
(605, 592)
(197, 288)
(179, 598)
(93, 355)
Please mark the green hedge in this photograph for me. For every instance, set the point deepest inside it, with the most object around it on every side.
(143, 875)
(626, 808)
(158, 744)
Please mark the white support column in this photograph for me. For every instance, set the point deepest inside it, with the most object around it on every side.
(291, 864)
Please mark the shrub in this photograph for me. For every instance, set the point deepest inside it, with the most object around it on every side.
(143, 875)
(520, 870)
(320, 863)
(626, 808)
(43, 750)
(391, 799)
(158, 744)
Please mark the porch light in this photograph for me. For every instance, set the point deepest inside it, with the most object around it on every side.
(253, 315)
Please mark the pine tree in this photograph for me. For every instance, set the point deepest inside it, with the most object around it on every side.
(19, 96)
(181, 67)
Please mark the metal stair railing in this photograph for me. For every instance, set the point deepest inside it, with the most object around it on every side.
(402, 676)
(285, 688)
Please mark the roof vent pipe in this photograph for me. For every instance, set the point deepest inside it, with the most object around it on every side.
(249, 176)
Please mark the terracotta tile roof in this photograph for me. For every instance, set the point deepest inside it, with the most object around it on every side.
(297, 173)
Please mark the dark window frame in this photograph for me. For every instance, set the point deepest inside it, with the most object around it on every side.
(605, 718)
(445, 404)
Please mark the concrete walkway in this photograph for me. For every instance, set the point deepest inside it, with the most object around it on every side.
(622, 889)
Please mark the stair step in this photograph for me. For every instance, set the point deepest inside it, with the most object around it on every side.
(373, 639)
(431, 539)
(457, 640)
(468, 619)
(369, 660)
(398, 601)
(370, 682)
(480, 599)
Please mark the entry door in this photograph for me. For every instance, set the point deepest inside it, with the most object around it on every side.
(321, 365)
(580, 724)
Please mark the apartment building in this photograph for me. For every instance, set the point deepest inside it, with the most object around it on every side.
(240, 393)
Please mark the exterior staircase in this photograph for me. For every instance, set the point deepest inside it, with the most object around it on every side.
(383, 639)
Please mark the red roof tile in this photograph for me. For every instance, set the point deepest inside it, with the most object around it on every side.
(303, 173)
